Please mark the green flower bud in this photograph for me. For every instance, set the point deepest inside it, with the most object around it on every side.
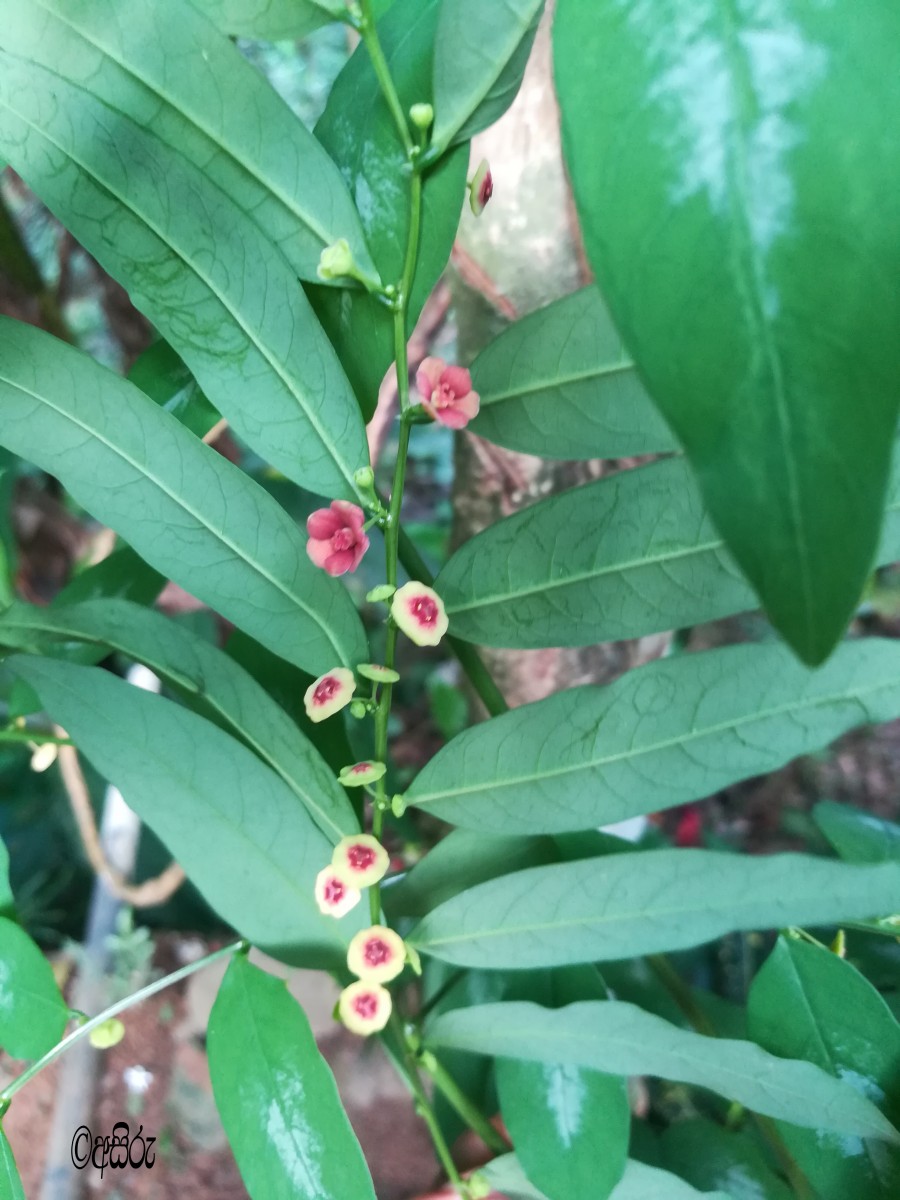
(384, 591)
(336, 261)
(364, 479)
(421, 116)
(358, 709)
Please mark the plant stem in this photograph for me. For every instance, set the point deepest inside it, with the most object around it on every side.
(460, 1102)
(32, 737)
(680, 993)
(369, 35)
(114, 1009)
(800, 1185)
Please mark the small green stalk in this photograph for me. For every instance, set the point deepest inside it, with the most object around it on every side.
(461, 1104)
(369, 34)
(32, 737)
(114, 1009)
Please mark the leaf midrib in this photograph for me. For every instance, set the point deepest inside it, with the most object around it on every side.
(541, 384)
(152, 479)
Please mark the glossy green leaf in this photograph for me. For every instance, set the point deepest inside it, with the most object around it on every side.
(10, 1183)
(677, 729)
(589, 911)
(639, 1182)
(708, 1156)
(609, 1035)
(806, 1002)
(240, 833)
(277, 1096)
(479, 60)
(633, 554)
(570, 1125)
(164, 208)
(198, 668)
(858, 836)
(738, 200)
(358, 132)
(33, 1014)
(559, 384)
(185, 509)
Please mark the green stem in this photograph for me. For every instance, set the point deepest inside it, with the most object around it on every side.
(369, 35)
(32, 737)
(460, 1102)
(114, 1009)
(681, 993)
(800, 1185)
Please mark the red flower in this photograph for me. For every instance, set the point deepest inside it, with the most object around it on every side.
(334, 895)
(447, 393)
(481, 188)
(336, 539)
(329, 693)
(376, 954)
(419, 612)
(365, 1007)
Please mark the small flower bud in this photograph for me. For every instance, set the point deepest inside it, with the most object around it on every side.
(44, 756)
(398, 805)
(419, 612)
(358, 709)
(110, 1033)
(377, 954)
(481, 188)
(376, 673)
(336, 261)
(334, 896)
(365, 1007)
(412, 957)
(478, 1187)
(364, 479)
(360, 861)
(329, 693)
(421, 116)
(362, 773)
(384, 591)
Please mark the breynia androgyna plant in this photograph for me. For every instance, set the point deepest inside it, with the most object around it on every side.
(736, 176)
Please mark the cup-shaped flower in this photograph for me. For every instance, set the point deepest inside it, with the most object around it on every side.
(337, 542)
(377, 673)
(376, 954)
(481, 188)
(365, 1007)
(419, 612)
(446, 393)
(336, 261)
(329, 693)
(361, 773)
(360, 861)
(334, 896)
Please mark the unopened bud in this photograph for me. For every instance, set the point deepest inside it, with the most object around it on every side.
(421, 116)
(336, 261)
(358, 709)
(364, 479)
(384, 591)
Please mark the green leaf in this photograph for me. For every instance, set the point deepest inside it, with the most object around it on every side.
(122, 575)
(808, 1002)
(640, 1182)
(276, 20)
(479, 60)
(276, 1095)
(570, 1125)
(358, 131)
(736, 195)
(188, 511)
(674, 730)
(633, 554)
(237, 829)
(10, 1183)
(858, 836)
(559, 384)
(708, 1156)
(609, 1035)
(163, 207)
(161, 375)
(660, 900)
(33, 1014)
(199, 669)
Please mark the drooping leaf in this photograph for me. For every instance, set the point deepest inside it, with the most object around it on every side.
(240, 833)
(806, 1002)
(626, 556)
(569, 1124)
(858, 836)
(590, 911)
(479, 60)
(558, 383)
(610, 1035)
(33, 1014)
(277, 1096)
(708, 1156)
(205, 673)
(189, 512)
(674, 730)
(738, 200)
(358, 132)
(639, 1182)
(136, 182)
(10, 1182)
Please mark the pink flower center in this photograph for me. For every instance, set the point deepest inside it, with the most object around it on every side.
(360, 769)
(360, 858)
(344, 539)
(424, 609)
(334, 890)
(486, 190)
(377, 952)
(326, 690)
(366, 1005)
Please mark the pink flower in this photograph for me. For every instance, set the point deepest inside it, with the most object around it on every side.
(481, 188)
(329, 693)
(447, 393)
(419, 612)
(360, 861)
(334, 896)
(365, 1007)
(336, 539)
(376, 954)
